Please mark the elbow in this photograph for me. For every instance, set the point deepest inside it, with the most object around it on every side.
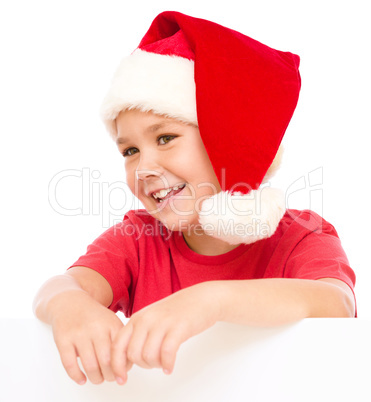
(347, 305)
(341, 304)
(331, 299)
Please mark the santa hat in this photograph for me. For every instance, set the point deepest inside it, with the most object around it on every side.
(239, 92)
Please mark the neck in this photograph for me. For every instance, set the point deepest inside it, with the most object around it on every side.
(203, 244)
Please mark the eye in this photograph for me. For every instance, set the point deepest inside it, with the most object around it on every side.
(164, 139)
(130, 151)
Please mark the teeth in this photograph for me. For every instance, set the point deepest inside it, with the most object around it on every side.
(164, 193)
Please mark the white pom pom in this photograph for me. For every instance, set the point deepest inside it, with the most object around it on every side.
(237, 218)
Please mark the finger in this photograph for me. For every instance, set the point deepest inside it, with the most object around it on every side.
(169, 348)
(103, 352)
(129, 365)
(135, 347)
(69, 360)
(90, 363)
(119, 347)
(151, 353)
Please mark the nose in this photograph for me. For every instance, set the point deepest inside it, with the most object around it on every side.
(147, 167)
(144, 174)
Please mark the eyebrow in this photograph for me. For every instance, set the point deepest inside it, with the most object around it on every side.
(151, 129)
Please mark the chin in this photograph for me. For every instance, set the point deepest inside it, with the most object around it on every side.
(178, 223)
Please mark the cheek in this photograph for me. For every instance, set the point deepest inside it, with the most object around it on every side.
(130, 177)
(192, 157)
(182, 161)
(196, 161)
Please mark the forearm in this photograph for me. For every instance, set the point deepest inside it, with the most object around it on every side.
(54, 294)
(277, 301)
(82, 284)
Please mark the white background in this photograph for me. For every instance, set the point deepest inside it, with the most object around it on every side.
(312, 360)
(57, 59)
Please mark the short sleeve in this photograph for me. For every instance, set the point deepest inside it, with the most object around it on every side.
(114, 255)
(320, 255)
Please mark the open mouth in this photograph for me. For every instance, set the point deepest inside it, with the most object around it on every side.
(164, 194)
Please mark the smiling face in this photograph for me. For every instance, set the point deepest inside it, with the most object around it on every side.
(167, 166)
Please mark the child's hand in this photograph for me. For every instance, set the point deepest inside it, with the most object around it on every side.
(84, 328)
(153, 335)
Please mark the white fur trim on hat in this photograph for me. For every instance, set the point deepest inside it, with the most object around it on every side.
(151, 82)
(237, 218)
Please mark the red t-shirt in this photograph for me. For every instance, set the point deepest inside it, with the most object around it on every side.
(144, 262)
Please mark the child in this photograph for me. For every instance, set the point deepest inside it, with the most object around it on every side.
(198, 111)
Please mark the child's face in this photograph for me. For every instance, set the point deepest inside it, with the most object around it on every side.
(162, 153)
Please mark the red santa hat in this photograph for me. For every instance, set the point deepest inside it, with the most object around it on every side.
(241, 94)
